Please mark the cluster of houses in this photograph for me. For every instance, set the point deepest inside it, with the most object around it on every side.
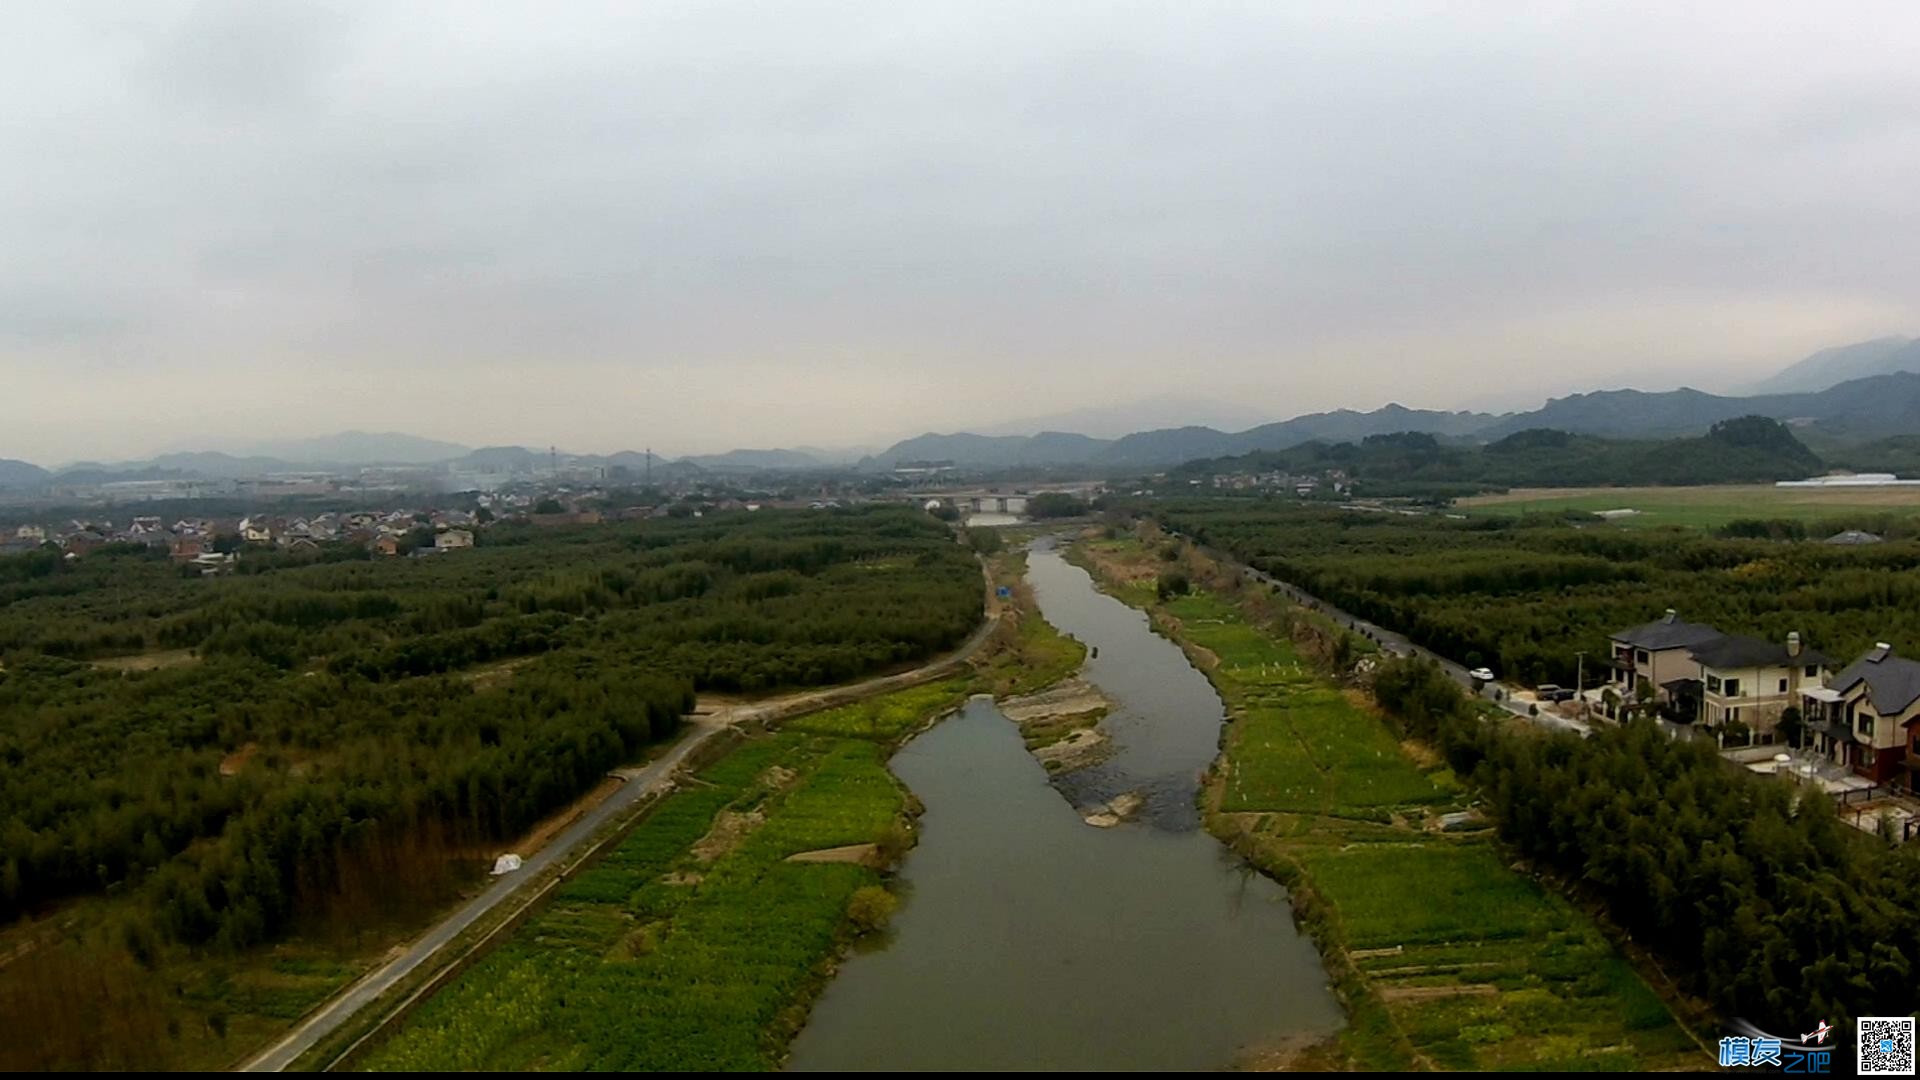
(1861, 716)
(1304, 485)
(209, 544)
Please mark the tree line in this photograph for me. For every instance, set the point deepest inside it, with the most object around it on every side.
(1527, 595)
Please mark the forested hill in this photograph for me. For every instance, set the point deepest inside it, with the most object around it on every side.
(322, 740)
(1743, 450)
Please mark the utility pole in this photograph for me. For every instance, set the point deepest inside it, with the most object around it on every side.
(1580, 674)
(649, 466)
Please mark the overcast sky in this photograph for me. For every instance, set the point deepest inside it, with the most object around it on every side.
(705, 225)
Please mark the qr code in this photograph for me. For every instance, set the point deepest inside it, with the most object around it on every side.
(1886, 1046)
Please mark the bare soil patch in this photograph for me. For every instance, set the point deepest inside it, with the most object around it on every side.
(1290, 1053)
(861, 854)
(1431, 993)
(1079, 749)
(152, 661)
(729, 829)
(493, 675)
(1061, 724)
(234, 762)
(1420, 753)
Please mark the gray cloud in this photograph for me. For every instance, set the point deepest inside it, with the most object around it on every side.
(703, 225)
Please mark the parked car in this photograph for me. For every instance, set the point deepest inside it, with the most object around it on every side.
(1552, 692)
(1480, 676)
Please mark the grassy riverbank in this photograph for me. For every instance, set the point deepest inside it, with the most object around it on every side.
(690, 944)
(695, 944)
(1445, 956)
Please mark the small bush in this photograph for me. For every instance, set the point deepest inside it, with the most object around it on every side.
(870, 908)
(1173, 583)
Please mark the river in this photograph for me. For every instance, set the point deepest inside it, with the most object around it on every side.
(1031, 940)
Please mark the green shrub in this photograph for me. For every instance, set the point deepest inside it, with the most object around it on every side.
(870, 907)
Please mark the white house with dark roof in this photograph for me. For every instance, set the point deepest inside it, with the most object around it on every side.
(1699, 674)
(1864, 717)
(1747, 680)
(1658, 654)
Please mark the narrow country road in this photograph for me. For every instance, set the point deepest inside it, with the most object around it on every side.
(654, 776)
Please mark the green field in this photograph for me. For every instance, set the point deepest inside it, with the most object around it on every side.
(1445, 956)
(1309, 748)
(693, 944)
(1703, 507)
(887, 717)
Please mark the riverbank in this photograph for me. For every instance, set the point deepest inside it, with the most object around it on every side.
(1443, 954)
(1075, 919)
(703, 937)
(695, 943)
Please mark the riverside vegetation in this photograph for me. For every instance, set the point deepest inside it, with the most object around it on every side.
(1444, 955)
(1759, 902)
(1525, 595)
(699, 941)
(194, 855)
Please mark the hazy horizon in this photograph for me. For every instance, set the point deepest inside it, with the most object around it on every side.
(707, 226)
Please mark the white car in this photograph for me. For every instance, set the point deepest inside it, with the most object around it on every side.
(1480, 674)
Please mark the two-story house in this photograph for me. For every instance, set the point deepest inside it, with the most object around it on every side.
(1864, 717)
(1658, 654)
(1746, 680)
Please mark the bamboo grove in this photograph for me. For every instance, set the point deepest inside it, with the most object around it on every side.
(1525, 596)
(343, 735)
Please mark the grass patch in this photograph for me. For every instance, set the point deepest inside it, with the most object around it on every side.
(1297, 743)
(887, 717)
(652, 960)
(1699, 507)
(1031, 654)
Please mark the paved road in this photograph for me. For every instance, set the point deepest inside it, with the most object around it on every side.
(1395, 642)
(652, 777)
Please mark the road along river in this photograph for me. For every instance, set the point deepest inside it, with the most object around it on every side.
(1032, 940)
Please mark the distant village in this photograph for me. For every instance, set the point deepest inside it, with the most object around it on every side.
(213, 545)
(1329, 482)
(421, 525)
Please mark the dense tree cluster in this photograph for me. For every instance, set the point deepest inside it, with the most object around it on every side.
(330, 743)
(1743, 450)
(1752, 889)
(1527, 595)
(1055, 504)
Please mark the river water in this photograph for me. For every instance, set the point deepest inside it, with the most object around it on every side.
(1031, 940)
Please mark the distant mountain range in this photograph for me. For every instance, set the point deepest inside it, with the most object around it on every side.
(20, 474)
(1853, 411)
(1831, 367)
(346, 448)
(1848, 395)
(1170, 446)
